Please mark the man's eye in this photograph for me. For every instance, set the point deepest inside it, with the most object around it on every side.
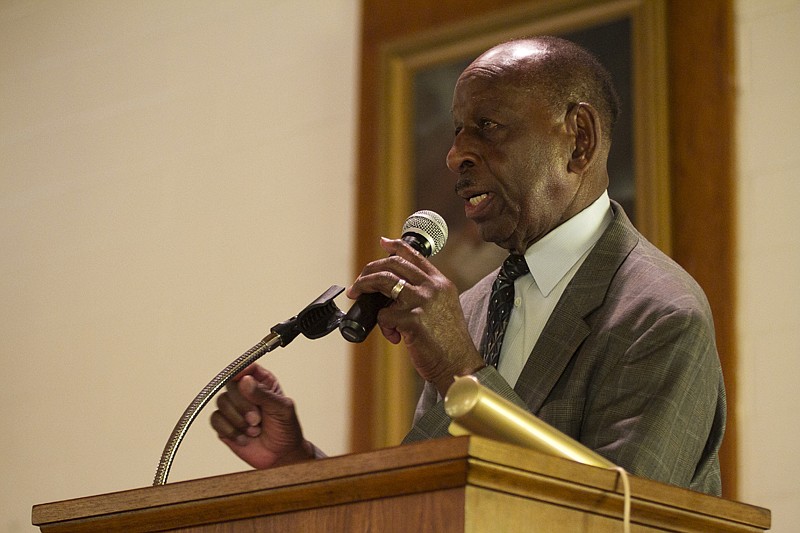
(486, 124)
(457, 131)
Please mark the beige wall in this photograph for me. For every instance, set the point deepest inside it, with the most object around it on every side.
(768, 56)
(175, 178)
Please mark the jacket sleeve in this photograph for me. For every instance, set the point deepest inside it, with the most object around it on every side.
(659, 409)
(430, 419)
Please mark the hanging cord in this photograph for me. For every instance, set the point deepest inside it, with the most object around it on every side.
(318, 319)
(626, 508)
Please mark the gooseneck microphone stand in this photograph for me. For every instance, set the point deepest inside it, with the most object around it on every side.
(318, 319)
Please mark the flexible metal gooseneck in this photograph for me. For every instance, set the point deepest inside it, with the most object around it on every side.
(318, 319)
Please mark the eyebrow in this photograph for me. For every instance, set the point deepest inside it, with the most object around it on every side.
(494, 105)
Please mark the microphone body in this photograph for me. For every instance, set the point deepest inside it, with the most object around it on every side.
(426, 232)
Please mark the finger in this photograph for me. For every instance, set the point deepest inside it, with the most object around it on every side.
(382, 275)
(400, 248)
(366, 283)
(260, 374)
(227, 431)
(391, 334)
(393, 246)
(250, 378)
(268, 398)
(394, 263)
(274, 404)
(235, 405)
(245, 419)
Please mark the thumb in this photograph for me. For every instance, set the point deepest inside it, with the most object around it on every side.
(269, 397)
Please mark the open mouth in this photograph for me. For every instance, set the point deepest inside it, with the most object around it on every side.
(477, 199)
(478, 205)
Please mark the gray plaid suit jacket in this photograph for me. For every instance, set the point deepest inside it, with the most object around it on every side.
(627, 364)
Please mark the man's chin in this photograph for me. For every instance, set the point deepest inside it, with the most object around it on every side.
(492, 233)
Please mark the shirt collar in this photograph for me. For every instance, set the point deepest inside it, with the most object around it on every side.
(552, 256)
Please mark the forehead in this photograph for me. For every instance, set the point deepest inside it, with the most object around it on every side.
(516, 60)
(502, 75)
(488, 88)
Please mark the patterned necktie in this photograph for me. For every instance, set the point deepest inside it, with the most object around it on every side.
(500, 305)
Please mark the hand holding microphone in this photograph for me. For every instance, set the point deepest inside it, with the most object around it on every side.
(426, 315)
(426, 232)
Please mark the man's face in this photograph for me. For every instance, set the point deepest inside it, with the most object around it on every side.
(511, 155)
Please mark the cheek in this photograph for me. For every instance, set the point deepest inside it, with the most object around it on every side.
(531, 182)
(538, 198)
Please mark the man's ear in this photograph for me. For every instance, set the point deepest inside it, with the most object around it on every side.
(583, 124)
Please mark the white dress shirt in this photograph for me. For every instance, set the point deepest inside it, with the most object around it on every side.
(553, 261)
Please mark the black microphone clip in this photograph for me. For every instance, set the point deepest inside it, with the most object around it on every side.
(319, 318)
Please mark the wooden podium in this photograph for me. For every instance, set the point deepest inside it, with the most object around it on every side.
(447, 485)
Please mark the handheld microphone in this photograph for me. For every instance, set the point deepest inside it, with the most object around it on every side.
(426, 232)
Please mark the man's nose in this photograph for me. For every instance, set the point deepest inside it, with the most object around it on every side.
(461, 155)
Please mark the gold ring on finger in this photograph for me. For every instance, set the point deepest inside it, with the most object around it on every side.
(397, 289)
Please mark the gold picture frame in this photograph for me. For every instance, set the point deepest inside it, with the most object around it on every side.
(404, 60)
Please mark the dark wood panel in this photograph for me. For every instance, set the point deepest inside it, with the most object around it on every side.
(701, 70)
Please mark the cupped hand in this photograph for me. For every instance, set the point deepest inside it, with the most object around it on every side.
(258, 421)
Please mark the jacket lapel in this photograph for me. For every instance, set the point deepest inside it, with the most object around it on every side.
(566, 328)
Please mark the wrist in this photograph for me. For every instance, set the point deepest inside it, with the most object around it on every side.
(304, 452)
(443, 384)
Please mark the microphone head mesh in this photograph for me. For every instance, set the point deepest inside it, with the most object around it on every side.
(429, 225)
